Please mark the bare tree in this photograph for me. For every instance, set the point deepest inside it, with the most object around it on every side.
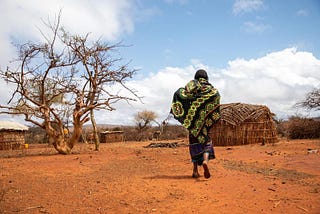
(65, 73)
(312, 100)
(144, 118)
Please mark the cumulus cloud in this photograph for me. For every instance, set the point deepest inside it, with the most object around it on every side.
(278, 80)
(77, 16)
(20, 20)
(245, 6)
(157, 90)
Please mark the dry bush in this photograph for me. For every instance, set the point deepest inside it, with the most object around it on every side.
(131, 133)
(36, 135)
(303, 128)
(170, 132)
(173, 132)
(282, 128)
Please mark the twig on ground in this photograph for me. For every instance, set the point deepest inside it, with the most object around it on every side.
(304, 209)
(34, 207)
(276, 204)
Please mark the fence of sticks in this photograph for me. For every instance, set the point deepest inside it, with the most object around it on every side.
(12, 135)
(242, 124)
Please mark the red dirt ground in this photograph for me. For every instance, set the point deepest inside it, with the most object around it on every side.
(129, 178)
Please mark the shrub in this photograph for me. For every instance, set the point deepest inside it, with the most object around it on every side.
(36, 135)
(303, 128)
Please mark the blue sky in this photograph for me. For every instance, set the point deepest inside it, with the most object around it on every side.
(255, 51)
(216, 32)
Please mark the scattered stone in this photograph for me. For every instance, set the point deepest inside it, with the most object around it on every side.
(312, 151)
(273, 153)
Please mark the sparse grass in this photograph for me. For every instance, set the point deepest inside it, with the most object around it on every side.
(252, 168)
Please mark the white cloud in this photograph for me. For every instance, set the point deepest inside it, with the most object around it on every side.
(157, 90)
(245, 6)
(20, 21)
(278, 80)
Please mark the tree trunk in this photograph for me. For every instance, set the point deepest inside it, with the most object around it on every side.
(95, 131)
(77, 131)
(60, 143)
(56, 135)
(62, 146)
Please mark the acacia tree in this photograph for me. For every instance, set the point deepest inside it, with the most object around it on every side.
(312, 100)
(66, 73)
(144, 118)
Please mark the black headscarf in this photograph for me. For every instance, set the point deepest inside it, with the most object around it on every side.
(201, 74)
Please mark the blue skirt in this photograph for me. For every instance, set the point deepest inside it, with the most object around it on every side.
(197, 150)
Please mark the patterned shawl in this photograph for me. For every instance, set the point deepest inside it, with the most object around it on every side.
(196, 107)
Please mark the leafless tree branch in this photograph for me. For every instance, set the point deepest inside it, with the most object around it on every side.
(52, 80)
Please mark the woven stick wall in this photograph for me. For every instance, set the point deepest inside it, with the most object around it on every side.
(11, 139)
(243, 124)
(111, 136)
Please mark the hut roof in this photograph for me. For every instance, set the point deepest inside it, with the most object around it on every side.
(9, 125)
(111, 132)
(237, 113)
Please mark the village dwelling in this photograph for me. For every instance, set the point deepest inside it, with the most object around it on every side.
(111, 136)
(12, 135)
(244, 124)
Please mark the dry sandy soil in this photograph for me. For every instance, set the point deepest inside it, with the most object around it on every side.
(129, 178)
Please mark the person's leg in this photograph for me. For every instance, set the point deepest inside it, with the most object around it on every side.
(195, 173)
(194, 150)
(205, 165)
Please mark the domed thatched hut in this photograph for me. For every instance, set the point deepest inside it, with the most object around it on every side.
(12, 135)
(244, 124)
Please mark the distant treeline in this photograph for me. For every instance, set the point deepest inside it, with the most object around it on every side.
(294, 128)
(131, 133)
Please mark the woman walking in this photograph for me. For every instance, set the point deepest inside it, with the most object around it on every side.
(196, 107)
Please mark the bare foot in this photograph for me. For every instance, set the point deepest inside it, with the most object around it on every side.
(195, 175)
(206, 170)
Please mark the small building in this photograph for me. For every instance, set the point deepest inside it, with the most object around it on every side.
(111, 136)
(12, 135)
(242, 124)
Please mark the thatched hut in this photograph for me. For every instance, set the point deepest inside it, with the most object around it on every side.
(244, 124)
(111, 136)
(12, 135)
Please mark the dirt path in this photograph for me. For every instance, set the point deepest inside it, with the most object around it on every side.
(128, 178)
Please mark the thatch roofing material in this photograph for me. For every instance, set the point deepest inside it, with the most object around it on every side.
(243, 124)
(9, 125)
(237, 113)
(111, 132)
